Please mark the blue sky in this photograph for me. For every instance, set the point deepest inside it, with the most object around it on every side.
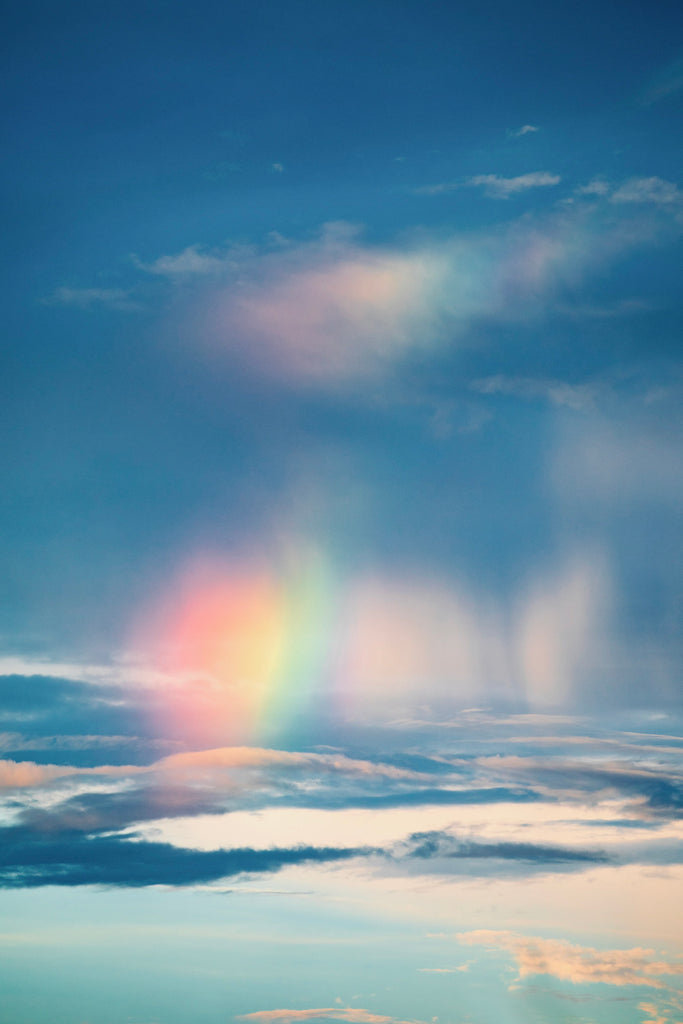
(340, 639)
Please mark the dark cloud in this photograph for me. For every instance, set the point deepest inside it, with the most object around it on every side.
(30, 859)
(442, 845)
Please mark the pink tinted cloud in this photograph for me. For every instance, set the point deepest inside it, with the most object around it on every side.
(355, 1015)
(578, 964)
(22, 774)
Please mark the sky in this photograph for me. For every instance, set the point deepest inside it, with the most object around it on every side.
(340, 614)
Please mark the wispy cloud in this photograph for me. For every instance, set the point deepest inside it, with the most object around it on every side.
(334, 311)
(557, 392)
(651, 191)
(595, 187)
(577, 964)
(94, 298)
(446, 852)
(29, 859)
(667, 82)
(498, 187)
(194, 261)
(647, 190)
(494, 185)
(526, 129)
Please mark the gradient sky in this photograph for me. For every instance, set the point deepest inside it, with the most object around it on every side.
(340, 616)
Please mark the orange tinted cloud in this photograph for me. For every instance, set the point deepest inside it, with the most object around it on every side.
(578, 964)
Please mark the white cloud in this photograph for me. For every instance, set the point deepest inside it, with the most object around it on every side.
(495, 186)
(502, 188)
(595, 187)
(647, 190)
(194, 261)
(526, 129)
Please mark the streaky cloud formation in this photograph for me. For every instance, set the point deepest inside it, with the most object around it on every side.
(29, 859)
(498, 187)
(353, 1014)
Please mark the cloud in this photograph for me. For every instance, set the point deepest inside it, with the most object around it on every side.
(652, 1012)
(557, 392)
(618, 459)
(94, 298)
(578, 964)
(29, 859)
(335, 312)
(443, 847)
(647, 190)
(659, 792)
(495, 186)
(526, 129)
(245, 757)
(651, 191)
(342, 313)
(666, 83)
(20, 774)
(194, 261)
(595, 187)
(354, 1015)
(502, 188)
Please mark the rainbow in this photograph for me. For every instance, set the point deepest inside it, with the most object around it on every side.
(250, 647)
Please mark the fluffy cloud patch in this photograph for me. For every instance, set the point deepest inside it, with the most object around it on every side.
(578, 964)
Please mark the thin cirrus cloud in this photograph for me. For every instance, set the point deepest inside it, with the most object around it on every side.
(23, 774)
(666, 83)
(653, 191)
(495, 186)
(557, 392)
(498, 187)
(577, 964)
